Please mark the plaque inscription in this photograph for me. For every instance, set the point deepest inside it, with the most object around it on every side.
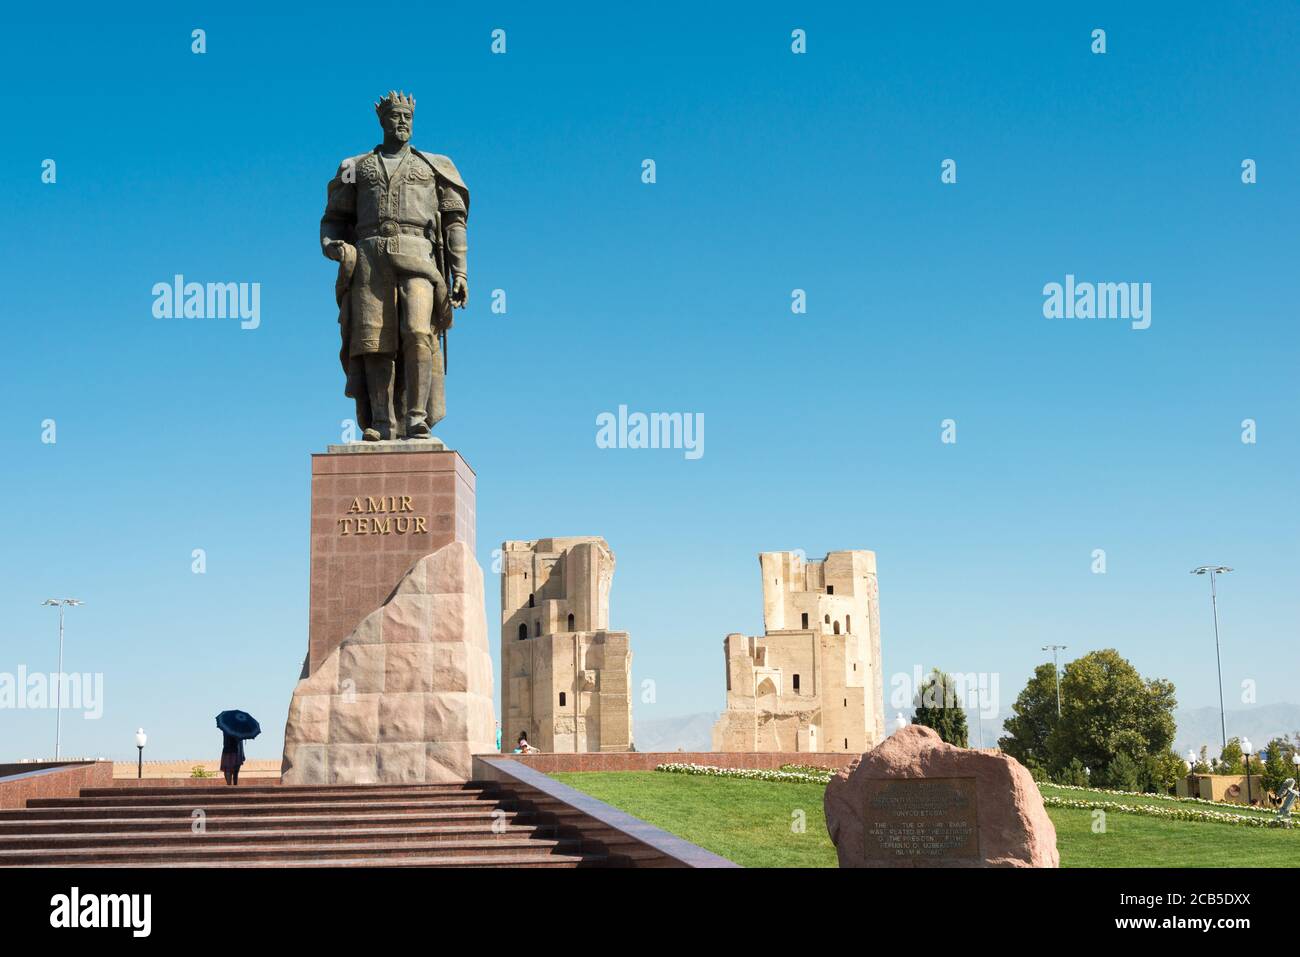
(921, 818)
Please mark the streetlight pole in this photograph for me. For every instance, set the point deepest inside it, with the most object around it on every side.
(141, 739)
(1056, 672)
(1213, 571)
(1245, 758)
(61, 603)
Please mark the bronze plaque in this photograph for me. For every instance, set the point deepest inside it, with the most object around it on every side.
(921, 818)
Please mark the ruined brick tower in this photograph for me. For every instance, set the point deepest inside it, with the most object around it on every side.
(565, 677)
(812, 681)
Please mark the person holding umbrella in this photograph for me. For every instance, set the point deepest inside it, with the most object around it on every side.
(236, 727)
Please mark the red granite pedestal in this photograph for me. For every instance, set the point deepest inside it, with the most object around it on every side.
(377, 509)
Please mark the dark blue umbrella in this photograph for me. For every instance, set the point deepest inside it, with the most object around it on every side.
(239, 724)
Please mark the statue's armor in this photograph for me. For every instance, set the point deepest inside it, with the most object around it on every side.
(408, 228)
(413, 222)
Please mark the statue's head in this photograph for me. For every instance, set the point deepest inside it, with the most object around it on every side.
(396, 115)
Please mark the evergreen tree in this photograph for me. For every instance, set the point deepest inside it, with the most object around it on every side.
(939, 706)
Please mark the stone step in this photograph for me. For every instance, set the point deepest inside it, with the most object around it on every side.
(322, 852)
(413, 860)
(217, 821)
(39, 808)
(286, 789)
(95, 840)
(280, 795)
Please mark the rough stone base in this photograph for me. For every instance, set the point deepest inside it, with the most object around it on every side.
(407, 697)
(1012, 824)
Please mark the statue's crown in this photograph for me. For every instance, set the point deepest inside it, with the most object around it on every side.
(393, 100)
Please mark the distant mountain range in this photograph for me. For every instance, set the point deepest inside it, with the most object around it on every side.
(688, 732)
(1261, 724)
(1196, 727)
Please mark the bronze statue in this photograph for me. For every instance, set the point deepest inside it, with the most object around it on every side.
(395, 221)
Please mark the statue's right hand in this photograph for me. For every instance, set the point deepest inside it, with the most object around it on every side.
(333, 249)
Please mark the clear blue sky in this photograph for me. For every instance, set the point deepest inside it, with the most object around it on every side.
(775, 172)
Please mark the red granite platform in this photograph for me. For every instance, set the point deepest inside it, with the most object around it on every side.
(373, 516)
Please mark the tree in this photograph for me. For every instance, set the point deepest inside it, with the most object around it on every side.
(1202, 764)
(1276, 771)
(1230, 760)
(1033, 718)
(1165, 770)
(1122, 774)
(938, 706)
(1073, 773)
(1108, 710)
(1230, 757)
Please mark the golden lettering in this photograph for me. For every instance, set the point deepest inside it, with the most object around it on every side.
(382, 505)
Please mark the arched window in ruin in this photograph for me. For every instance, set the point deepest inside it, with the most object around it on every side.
(848, 623)
(570, 621)
(837, 628)
(828, 619)
(530, 601)
(796, 684)
(805, 619)
(561, 699)
(523, 631)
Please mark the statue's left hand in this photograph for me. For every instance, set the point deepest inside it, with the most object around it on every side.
(459, 293)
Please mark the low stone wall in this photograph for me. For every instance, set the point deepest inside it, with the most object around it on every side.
(1227, 788)
(626, 841)
(648, 760)
(50, 781)
(156, 771)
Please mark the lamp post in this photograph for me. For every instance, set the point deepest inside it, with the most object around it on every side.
(1295, 763)
(1213, 571)
(1245, 758)
(141, 739)
(59, 603)
(1056, 672)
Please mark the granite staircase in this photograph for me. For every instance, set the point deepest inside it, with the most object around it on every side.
(432, 825)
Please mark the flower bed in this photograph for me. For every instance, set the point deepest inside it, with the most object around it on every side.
(1168, 813)
(750, 774)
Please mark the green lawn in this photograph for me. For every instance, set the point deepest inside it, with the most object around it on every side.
(750, 822)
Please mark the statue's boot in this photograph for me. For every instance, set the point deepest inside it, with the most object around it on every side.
(379, 386)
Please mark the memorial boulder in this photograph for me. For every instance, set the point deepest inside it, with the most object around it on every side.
(915, 801)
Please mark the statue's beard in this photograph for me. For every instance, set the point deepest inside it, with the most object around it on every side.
(401, 135)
